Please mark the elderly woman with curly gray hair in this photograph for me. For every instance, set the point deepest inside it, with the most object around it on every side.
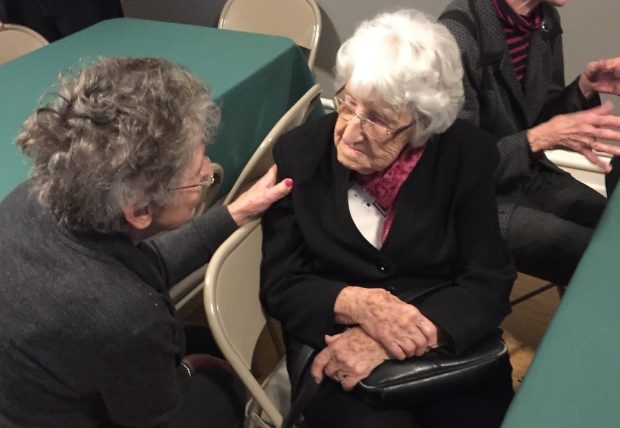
(389, 244)
(89, 334)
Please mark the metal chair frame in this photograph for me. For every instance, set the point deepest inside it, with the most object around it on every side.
(299, 20)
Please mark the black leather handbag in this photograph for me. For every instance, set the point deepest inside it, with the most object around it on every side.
(394, 384)
(436, 374)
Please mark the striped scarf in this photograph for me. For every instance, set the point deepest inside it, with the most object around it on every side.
(517, 29)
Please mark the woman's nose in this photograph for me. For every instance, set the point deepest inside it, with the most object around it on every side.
(353, 131)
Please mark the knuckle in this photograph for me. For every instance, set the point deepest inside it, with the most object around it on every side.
(357, 369)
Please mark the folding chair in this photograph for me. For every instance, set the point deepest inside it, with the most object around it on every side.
(17, 40)
(536, 291)
(185, 291)
(236, 319)
(299, 20)
(262, 159)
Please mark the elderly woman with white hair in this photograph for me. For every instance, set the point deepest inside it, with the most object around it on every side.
(389, 244)
(89, 334)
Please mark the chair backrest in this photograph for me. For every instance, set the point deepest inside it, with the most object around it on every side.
(17, 40)
(209, 193)
(299, 20)
(262, 159)
(233, 309)
(185, 291)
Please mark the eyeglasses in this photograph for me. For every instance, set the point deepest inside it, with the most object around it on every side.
(372, 130)
(205, 181)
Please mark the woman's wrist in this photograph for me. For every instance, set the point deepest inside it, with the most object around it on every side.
(536, 137)
(239, 214)
(585, 87)
(344, 306)
(352, 303)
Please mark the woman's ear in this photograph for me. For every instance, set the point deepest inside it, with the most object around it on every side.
(137, 215)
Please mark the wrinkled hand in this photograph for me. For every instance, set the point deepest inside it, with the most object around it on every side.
(601, 76)
(582, 132)
(255, 201)
(398, 326)
(348, 358)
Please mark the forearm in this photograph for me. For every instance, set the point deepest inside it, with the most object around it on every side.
(353, 302)
(182, 251)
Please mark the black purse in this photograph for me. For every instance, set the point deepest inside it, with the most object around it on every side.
(393, 384)
(436, 374)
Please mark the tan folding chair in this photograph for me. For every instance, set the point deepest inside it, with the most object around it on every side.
(299, 20)
(262, 159)
(232, 282)
(210, 193)
(184, 292)
(17, 40)
(236, 319)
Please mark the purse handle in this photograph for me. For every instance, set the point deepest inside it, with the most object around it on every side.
(303, 386)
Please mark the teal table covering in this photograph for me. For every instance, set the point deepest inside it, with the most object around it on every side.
(574, 379)
(255, 79)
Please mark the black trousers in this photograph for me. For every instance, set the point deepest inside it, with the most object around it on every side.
(215, 399)
(484, 407)
(551, 225)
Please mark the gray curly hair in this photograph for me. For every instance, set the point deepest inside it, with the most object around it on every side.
(121, 128)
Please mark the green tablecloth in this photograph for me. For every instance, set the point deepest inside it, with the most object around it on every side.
(574, 379)
(255, 78)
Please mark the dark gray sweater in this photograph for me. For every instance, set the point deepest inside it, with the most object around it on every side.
(85, 341)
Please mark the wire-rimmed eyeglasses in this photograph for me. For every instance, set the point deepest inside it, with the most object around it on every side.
(377, 133)
(205, 181)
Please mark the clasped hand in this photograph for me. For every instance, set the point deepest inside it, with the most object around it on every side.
(398, 326)
(386, 328)
(348, 358)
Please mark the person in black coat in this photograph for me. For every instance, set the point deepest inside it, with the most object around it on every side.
(514, 88)
(389, 244)
(54, 19)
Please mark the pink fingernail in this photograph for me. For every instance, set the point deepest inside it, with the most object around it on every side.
(288, 182)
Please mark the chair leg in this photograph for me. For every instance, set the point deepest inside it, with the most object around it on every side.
(535, 292)
(561, 290)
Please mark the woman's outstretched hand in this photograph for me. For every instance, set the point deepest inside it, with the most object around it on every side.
(584, 132)
(602, 76)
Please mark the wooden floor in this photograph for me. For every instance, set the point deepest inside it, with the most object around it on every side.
(523, 328)
(526, 325)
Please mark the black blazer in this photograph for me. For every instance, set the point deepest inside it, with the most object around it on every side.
(444, 246)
